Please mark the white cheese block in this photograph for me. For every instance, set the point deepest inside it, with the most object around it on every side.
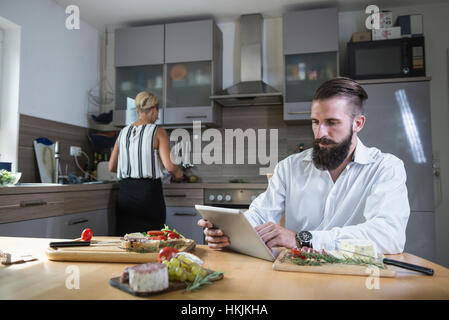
(354, 247)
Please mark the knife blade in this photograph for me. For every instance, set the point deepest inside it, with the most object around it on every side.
(396, 263)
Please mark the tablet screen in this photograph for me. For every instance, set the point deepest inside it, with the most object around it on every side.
(233, 223)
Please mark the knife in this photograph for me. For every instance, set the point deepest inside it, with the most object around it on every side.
(64, 244)
(397, 263)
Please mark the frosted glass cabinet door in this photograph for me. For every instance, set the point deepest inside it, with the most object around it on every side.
(189, 84)
(304, 73)
(132, 80)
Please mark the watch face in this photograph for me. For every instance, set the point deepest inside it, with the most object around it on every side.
(305, 236)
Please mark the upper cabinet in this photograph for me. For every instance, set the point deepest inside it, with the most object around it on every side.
(310, 31)
(193, 72)
(189, 41)
(139, 46)
(310, 47)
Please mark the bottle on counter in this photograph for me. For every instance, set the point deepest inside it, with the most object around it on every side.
(301, 147)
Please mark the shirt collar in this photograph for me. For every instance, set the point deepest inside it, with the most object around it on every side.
(361, 154)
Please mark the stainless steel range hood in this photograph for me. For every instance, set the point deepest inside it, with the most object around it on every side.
(251, 90)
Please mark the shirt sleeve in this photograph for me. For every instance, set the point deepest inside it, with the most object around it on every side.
(386, 212)
(270, 205)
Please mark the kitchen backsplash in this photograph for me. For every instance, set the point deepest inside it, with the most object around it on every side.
(68, 135)
(255, 117)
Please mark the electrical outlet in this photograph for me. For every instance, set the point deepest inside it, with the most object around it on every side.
(75, 151)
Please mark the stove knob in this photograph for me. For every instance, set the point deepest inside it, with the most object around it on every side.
(228, 197)
(219, 197)
(253, 197)
(211, 197)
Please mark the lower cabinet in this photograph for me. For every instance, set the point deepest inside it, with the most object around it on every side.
(64, 227)
(184, 220)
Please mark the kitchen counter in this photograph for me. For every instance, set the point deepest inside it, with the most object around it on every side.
(38, 188)
(245, 278)
(216, 186)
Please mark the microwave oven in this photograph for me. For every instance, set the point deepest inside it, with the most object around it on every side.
(392, 58)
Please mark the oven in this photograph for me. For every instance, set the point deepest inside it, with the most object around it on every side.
(231, 198)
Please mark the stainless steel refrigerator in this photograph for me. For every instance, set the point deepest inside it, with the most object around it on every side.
(398, 122)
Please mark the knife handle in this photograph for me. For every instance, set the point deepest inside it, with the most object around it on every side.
(409, 266)
(69, 244)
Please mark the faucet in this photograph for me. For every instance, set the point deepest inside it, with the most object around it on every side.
(57, 162)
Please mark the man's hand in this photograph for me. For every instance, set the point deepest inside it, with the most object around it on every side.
(215, 237)
(275, 235)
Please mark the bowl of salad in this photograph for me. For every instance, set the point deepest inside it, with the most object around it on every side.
(9, 178)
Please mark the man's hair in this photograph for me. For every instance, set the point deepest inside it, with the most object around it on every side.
(344, 87)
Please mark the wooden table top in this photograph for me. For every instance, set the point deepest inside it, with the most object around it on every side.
(245, 278)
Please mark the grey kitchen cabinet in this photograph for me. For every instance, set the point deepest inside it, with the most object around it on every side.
(189, 41)
(310, 31)
(139, 46)
(184, 220)
(193, 62)
(62, 227)
(310, 48)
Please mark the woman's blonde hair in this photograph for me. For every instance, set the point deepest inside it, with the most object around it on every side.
(145, 101)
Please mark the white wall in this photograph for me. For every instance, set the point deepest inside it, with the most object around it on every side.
(57, 66)
(436, 28)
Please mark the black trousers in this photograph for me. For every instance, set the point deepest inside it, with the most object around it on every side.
(140, 206)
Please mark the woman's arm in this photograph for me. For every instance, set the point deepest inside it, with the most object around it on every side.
(114, 158)
(163, 145)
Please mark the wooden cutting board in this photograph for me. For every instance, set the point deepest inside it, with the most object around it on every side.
(286, 265)
(103, 252)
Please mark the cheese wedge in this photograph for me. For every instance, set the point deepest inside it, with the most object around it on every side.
(354, 247)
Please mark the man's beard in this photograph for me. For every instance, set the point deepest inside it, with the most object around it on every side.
(330, 158)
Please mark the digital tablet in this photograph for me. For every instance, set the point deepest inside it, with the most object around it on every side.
(233, 223)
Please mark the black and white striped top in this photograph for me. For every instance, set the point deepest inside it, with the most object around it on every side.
(137, 157)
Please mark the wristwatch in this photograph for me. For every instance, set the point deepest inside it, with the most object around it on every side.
(303, 239)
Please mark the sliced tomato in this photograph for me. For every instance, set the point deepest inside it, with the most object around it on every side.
(166, 254)
(87, 234)
(155, 233)
(157, 238)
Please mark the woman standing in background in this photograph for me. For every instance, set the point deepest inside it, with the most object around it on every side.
(135, 158)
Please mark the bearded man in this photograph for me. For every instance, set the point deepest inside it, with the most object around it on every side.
(339, 189)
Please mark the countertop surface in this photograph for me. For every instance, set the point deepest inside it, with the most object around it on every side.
(38, 188)
(245, 278)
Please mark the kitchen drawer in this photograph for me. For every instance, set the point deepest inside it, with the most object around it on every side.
(83, 201)
(184, 220)
(208, 115)
(70, 226)
(183, 197)
(37, 228)
(30, 206)
(297, 111)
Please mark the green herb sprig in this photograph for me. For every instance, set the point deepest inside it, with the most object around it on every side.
(200, 282)
(317, 259)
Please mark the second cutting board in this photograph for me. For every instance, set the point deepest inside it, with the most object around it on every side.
(106, 253)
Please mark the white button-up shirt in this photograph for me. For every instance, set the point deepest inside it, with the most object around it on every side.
(368, 200)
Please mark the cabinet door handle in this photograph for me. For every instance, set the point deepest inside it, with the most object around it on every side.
(299, 112)
(191, 214)
(193, 117)
(176, 195)
(77, 221)
(33, 203)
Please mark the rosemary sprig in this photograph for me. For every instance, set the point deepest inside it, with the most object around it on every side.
(199, 281)
(317, 259)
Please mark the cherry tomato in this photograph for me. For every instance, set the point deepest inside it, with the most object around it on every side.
(87, 234)
(166, 254)
(173, 236)
(297, 253)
